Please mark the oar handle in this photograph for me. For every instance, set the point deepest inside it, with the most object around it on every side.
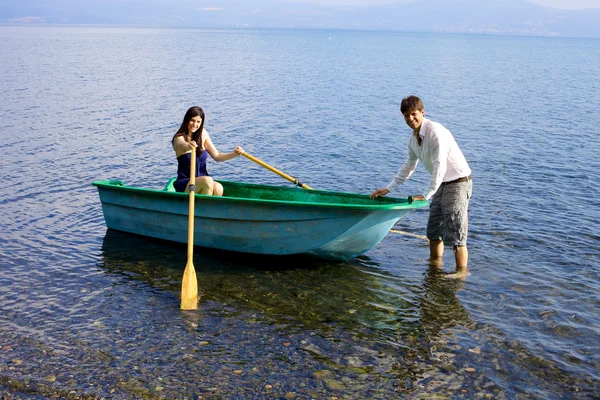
(278, 172)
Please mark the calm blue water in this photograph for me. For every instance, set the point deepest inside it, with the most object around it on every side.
(86, 312)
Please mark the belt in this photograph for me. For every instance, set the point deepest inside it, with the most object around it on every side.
(463, 179)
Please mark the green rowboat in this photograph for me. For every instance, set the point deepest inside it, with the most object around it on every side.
(255, 218)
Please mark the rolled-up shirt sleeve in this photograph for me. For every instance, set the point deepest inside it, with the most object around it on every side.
(439, 156)
(405, 171)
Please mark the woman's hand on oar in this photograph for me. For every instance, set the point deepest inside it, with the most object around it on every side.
(189, 284)
(278, 172)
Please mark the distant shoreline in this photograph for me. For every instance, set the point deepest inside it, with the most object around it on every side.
(394, 31)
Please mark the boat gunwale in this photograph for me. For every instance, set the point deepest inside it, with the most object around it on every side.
(398, 203)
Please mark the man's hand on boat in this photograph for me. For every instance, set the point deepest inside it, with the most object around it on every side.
(379, 192)
(384, 191)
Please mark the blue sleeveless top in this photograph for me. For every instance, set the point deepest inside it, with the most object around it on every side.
(184, 162)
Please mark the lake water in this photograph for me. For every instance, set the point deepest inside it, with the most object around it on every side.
(91, 313)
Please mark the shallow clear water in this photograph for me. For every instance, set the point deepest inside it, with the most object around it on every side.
(90, 312)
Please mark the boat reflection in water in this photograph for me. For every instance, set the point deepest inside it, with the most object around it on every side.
(363, 321)
(303, 291)
(291, 313)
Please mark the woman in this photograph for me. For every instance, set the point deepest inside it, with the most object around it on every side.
(192, 134)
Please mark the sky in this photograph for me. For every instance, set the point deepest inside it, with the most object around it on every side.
(562, 4)
(512, 17)
(569, 4)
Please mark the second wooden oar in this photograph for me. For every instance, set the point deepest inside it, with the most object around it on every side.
(189, 284)
(409, 234)
(278, 172)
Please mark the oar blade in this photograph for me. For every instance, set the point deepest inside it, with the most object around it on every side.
(189, 288)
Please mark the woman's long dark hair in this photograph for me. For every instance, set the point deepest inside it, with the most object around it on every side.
(194, 111)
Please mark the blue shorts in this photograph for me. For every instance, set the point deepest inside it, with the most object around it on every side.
(181, 184)
(448, 213)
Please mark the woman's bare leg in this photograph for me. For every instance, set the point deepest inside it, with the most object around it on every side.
(204, 185)
(217, 189)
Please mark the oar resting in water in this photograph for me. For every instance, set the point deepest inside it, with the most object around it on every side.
(189, 283)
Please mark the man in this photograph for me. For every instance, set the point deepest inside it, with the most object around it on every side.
(450, 186)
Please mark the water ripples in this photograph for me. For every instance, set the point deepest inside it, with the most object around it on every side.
(97, 306)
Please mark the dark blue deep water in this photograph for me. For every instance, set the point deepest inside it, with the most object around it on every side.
(91, 313)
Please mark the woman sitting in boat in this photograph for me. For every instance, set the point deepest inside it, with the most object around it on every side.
(192, 134)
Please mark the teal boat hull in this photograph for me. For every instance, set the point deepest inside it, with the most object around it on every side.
(257, 219)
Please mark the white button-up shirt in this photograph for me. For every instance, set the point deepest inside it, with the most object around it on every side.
(440, 156)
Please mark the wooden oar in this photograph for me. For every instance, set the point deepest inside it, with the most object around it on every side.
(189, 284)
(409, 234)
(278, 172)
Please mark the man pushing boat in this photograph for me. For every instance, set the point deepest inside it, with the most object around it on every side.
(450, 186)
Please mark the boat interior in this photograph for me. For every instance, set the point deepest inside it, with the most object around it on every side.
(241, 190)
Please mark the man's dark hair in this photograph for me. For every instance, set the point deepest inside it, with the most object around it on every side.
(410, 104)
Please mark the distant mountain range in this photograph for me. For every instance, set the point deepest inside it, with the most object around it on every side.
(516, 17)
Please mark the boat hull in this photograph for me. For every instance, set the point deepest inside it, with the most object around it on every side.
(264, 225)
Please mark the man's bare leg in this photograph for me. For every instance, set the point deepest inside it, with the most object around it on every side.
(436, 252)
(461, 255)
(436, 248)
